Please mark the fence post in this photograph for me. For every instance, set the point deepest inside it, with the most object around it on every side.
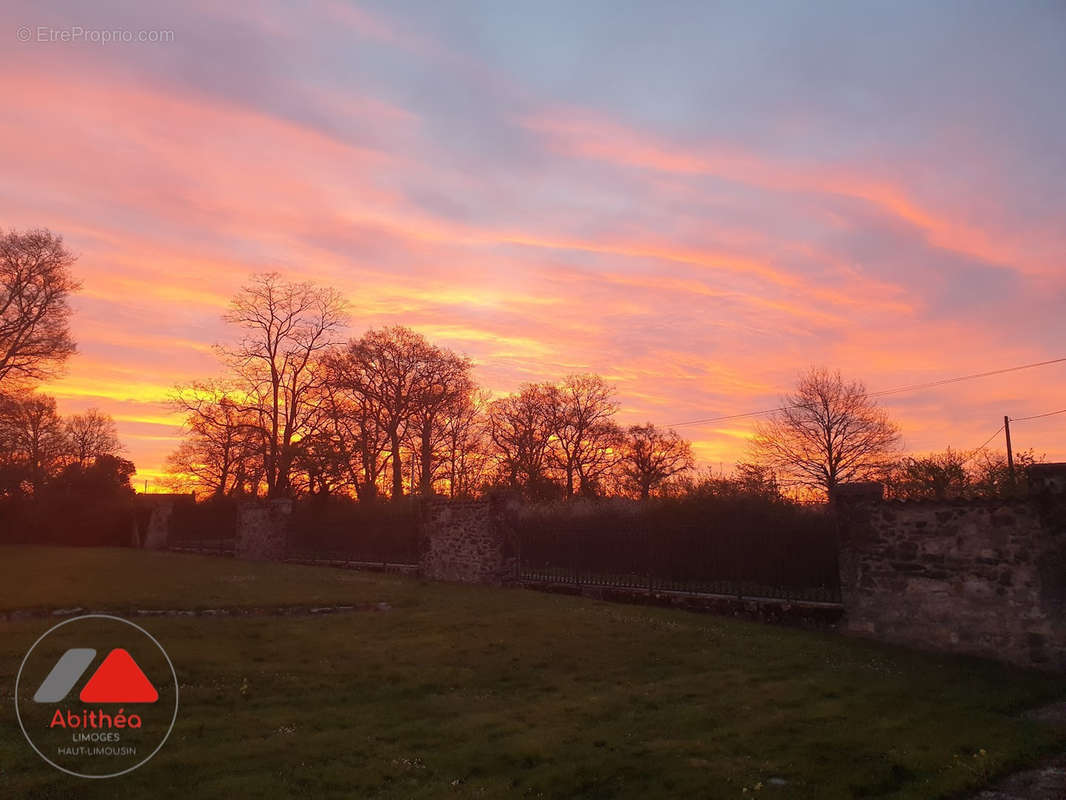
(573, 559)
(737, 571)
(649, 553)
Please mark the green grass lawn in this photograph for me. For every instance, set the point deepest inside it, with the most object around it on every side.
(121, 578)
(461, 691)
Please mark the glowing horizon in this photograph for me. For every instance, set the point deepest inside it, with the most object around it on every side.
(555, 191)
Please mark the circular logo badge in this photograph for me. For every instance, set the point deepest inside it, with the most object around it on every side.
(96, 696)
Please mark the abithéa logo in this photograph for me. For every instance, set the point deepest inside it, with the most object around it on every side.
(97, 718)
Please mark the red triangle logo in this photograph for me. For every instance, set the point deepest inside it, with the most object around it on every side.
(119, 680)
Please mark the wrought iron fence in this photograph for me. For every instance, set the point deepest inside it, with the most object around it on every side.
(334, 532)
(722, 555)
(718, 550)
(209, 528)
(337, 532)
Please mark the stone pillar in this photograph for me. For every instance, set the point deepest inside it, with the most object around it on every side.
(157, 532)
(466, 541)
(262, 529)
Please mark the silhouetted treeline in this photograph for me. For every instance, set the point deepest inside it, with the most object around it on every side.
(301, 412)
(80, 504)
(953, 474)
(61, 479)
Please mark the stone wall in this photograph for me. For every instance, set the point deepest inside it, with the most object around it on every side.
(986, 578)
(468, 541)
(262, 529)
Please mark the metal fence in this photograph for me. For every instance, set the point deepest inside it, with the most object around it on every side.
(793, 562)
(384, 536)
(788, 557)
(208, 528)
(332, 533)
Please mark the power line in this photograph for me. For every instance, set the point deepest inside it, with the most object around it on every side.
(1038, 416)
(966, 377)
(980, 447)
(884, 392)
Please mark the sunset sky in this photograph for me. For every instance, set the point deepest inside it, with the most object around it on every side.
(695, 200)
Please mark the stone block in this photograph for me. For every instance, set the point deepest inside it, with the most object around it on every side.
(466, 542)
(262, 529)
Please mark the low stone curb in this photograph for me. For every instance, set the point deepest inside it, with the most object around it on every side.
(235, 611)
(803, 613)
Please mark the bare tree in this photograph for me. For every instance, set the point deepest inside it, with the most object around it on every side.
(354, 425)
(322, 467)
(32, 436)
(520, 426)
(357, 425)
(651, 456)
(827, 432)
(224, 448)
(90, 435)
(466, 454)
(444, 381)
(287, 328)
(584, 439)
(35, 282)
(388, 367)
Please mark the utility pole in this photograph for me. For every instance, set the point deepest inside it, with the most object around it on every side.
(1010, 452)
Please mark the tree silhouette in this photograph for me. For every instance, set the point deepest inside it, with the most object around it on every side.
(520, 427)
(32, 436)
(287, 327)
(390, 367)
(225, 444)
(651, 456)
(443, 384)
(90, 435)
(466, 451)
(35, 282)
(584, 440)
(827, 432)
